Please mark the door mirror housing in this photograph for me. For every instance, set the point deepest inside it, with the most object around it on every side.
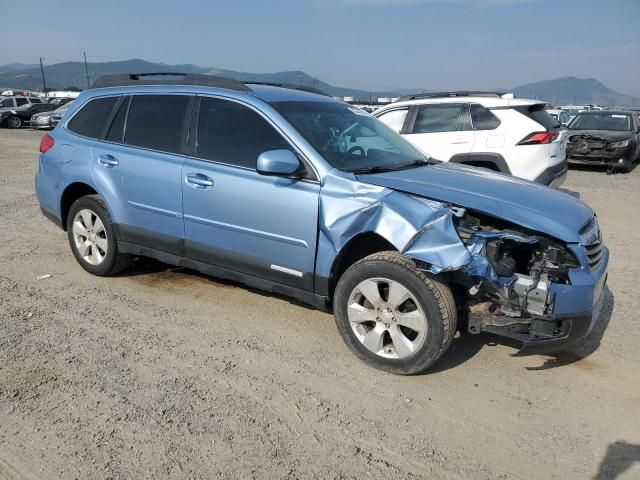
(277, 162)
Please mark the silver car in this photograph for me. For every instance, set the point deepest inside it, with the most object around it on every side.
(48, 120)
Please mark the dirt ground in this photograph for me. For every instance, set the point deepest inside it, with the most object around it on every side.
(165, 373)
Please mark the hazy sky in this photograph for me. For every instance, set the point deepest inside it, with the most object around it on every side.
(373, 44)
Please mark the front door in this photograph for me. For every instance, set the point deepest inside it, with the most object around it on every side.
(236, 218)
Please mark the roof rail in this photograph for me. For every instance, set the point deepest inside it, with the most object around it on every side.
(459, 93)
(127, 79)
(291, 86)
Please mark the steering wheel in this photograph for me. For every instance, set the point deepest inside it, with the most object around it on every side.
(351, 151)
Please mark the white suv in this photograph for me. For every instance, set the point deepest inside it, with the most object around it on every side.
(510, 135)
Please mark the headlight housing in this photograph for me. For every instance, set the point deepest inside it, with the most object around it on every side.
(620, 144)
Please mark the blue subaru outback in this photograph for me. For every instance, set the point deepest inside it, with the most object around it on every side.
(296, 193)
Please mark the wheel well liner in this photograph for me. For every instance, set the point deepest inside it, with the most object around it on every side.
(360, 246)
(73, 192)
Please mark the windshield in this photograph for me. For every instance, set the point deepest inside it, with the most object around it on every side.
(601, 121)
(349, 138)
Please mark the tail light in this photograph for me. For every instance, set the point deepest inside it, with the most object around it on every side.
(539, 138)
(46, 143)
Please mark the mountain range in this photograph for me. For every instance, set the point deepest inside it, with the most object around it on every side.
(566, 90)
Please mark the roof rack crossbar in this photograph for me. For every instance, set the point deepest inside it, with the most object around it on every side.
(453, 94)
(196, 79)
(291, 86)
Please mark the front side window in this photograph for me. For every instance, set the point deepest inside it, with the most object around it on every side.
(601, 121)
(157, 122)
(349, 138)
(234, 134)
(91, 120)
(440, 118)
(394, 119)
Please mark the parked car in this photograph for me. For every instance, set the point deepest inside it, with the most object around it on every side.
(513, 136)
(605, 137)
(563, 117)
(303, 195)
(48, 120)
(18, 101)
(19, 116)
(59, 101)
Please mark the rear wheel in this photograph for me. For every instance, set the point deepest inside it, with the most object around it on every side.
(393, 315)
(92, 237)
(14, 122)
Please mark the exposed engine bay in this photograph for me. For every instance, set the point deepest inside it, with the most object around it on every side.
(508, 283)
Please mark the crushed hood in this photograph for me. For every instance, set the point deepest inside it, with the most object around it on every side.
(600, 135)
(531, 205)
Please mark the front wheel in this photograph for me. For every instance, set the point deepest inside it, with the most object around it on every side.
(14, 122)
(393, 315)
(92, 237)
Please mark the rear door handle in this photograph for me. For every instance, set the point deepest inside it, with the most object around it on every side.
(198, 180)
(107, 160)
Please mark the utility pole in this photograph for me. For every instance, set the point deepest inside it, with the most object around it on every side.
(44, 82)
(86, 68)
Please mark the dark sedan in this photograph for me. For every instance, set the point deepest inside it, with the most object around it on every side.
(17, 117)
(605, 137)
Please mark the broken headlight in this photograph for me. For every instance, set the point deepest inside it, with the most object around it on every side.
(620, 144)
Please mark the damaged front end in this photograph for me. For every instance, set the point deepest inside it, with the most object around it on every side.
(508, 280)
(508, 284)
(599, 150)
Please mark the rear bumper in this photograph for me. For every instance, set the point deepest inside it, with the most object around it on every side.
(554, 176)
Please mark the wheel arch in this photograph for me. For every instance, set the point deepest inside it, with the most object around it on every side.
(491, 160)
(71, 193)
(360, 246)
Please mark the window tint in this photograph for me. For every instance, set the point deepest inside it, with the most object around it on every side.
(21, 101)
(538, 114)
(394, 119)
(91, 119)
(7, 102)
(116, 130)
(157, 121)
(437, 118)
(483, 119)
(232, 133)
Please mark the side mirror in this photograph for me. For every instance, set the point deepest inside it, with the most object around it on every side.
(277, 162)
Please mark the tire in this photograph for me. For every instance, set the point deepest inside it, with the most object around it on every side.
(14, 122)
(89, 228)
(360, 323)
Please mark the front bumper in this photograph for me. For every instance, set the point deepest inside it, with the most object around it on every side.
(607, 158)
(576, 309)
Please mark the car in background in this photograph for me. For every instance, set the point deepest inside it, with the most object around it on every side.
(561, 116)
(45, 120)
(59, 101)
(483, 129)
(19, 116)
(18, 101)
(605, 137)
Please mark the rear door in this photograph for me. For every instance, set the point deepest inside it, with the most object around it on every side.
(441, 130)
(236, 218)
(139, 165)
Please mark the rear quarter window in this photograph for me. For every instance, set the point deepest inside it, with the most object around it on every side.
(482, 118)
(537, 113)
(91, 120)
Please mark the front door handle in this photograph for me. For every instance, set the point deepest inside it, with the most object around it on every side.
(108, 160)
(198, 180)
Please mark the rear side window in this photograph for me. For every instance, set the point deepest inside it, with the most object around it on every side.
(394, 119)
(538, 114)
(157, 122)
(440, 118)
(234, 134)
(91, 120)
(482, 118)
(21, 101)
(116, 130)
